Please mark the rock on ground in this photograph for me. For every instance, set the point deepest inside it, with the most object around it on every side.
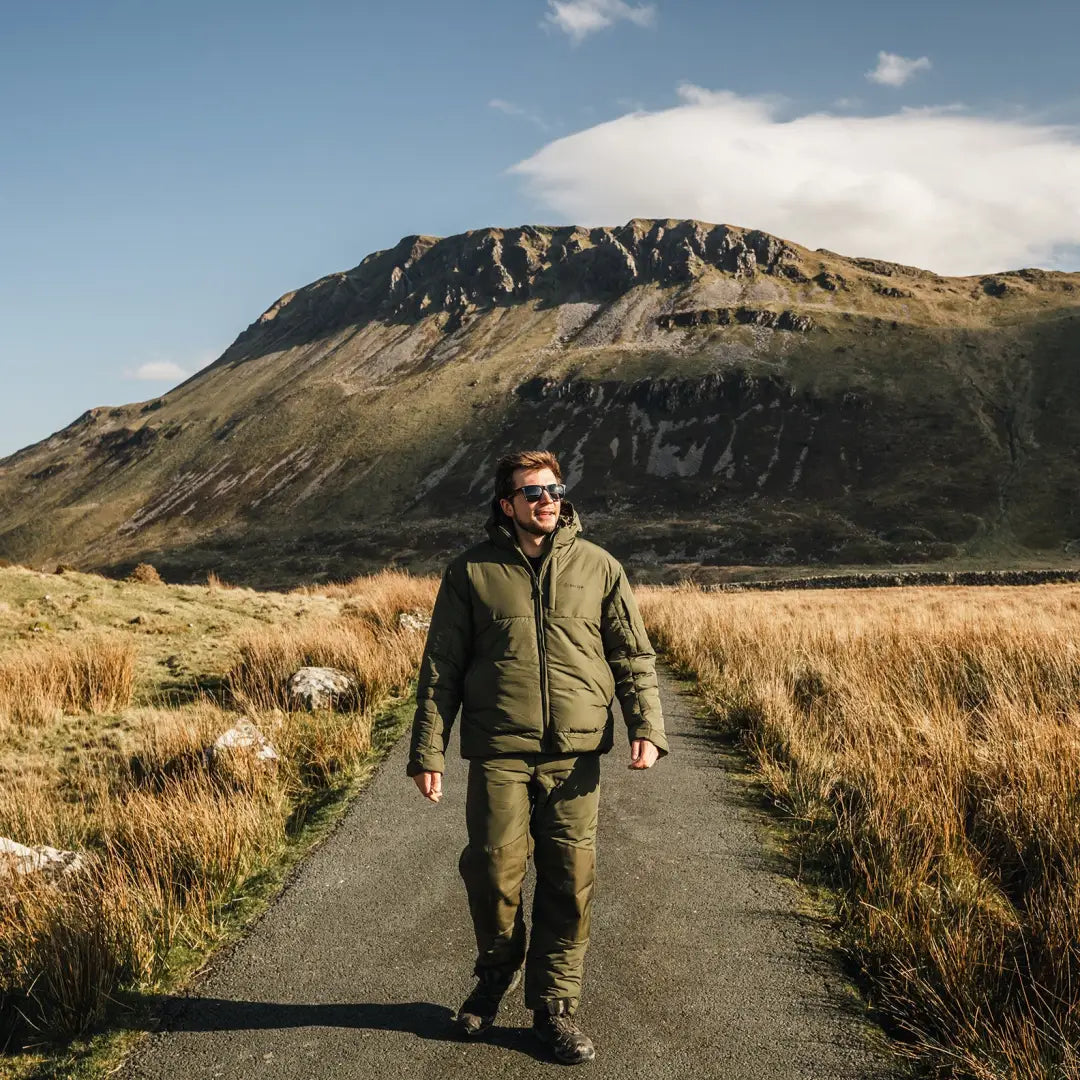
(321, 688)
(18, 860)
(244, 735)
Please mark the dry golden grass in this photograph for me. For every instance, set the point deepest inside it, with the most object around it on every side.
(145, 574)
(926, 742)
(169, 848)
(94, 673)
(379, 598)
(175, 829)
(378, 660)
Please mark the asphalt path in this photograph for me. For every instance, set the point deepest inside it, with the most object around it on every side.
(701, 964)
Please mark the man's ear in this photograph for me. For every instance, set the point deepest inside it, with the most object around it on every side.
(507, 507)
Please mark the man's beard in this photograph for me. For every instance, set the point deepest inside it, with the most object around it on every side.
(535, 528)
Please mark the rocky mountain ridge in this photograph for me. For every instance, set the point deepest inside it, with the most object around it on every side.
(718, 396)
(422, 275)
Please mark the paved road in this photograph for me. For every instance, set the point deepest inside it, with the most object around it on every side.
(700, 965)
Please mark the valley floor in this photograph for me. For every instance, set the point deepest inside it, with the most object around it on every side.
(701, 963)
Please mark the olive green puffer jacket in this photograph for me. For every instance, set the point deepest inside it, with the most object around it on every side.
(533, 660)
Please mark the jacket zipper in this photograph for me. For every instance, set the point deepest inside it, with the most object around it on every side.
(537, 580)
(539, 608)
(538, 618)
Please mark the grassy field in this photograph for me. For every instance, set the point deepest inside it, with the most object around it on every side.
(111, 694)
(925, 744)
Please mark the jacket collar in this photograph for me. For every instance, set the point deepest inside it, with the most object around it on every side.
(501, 529)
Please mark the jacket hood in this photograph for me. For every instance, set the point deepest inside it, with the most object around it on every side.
(500, 528)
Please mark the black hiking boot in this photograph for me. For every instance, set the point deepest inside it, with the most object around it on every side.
(480, 1008)
(556, 1028)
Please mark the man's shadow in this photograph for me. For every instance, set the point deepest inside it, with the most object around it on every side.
(423, 1019)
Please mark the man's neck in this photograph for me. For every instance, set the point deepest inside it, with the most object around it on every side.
(529, 543)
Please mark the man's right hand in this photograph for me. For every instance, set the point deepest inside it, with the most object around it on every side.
(430, 785)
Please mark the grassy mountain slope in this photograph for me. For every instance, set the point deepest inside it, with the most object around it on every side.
(716, 395)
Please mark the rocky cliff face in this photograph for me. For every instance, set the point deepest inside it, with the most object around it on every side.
(424, 276)
(716, 396)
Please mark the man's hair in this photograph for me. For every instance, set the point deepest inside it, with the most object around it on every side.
(522, 459)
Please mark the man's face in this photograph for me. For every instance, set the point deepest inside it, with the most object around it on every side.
(540, 517)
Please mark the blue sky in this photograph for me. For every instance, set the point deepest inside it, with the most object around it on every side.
(167, 171)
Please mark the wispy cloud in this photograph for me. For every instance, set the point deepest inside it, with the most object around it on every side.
(508, 108)
(579, 18)
(940, 188)
(893, 70)
(158, 371)
(163, 369)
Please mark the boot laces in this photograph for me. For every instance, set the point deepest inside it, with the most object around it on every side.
(563, 1025)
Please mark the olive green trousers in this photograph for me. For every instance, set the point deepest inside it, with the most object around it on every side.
(543, 805)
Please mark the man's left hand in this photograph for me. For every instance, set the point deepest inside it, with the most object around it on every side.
(643, 754)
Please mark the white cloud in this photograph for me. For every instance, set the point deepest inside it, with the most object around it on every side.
(579, 18)
(938, 188)
(893, 70)
(158, 371)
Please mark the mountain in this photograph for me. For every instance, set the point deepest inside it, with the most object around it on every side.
(717, 396)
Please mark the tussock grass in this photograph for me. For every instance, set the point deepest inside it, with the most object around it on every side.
(145, 574)
(379, 598)
(926, 744)
(175, 829)
(378, 662)
(93, 673)
(173, 834)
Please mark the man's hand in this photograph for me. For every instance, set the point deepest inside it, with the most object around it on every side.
(430, 785)
(643, 754)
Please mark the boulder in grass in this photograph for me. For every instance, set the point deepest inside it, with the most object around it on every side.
(244, 735)
(414, 620)
(17, 860)
(314, 688)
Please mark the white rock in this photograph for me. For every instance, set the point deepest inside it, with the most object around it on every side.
(17, 859)
(244, 735)
(320, 688)
(414, 620)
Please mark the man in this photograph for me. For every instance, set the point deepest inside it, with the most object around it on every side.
(533, 632)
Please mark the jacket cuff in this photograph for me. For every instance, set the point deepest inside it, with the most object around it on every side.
(426, 761)
(655, 736)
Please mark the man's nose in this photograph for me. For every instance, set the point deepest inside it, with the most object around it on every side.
(546, 496)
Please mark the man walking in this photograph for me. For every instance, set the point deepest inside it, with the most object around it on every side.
(534, 631)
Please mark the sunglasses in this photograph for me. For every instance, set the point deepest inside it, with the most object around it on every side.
(533, 492)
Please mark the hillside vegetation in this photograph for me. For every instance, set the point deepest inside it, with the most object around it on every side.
(925, 745)
(718, 396)
(112, 695)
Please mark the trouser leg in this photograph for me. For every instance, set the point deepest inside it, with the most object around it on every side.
(566, 794)
(493, 864)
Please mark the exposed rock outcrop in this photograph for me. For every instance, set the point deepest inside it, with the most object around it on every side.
(422, 274)
(741, 316)
(314, 688)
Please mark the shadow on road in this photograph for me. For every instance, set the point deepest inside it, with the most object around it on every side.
(220, 1014)
(420, 1018)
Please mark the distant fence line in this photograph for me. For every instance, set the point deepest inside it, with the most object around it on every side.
(906, 577)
